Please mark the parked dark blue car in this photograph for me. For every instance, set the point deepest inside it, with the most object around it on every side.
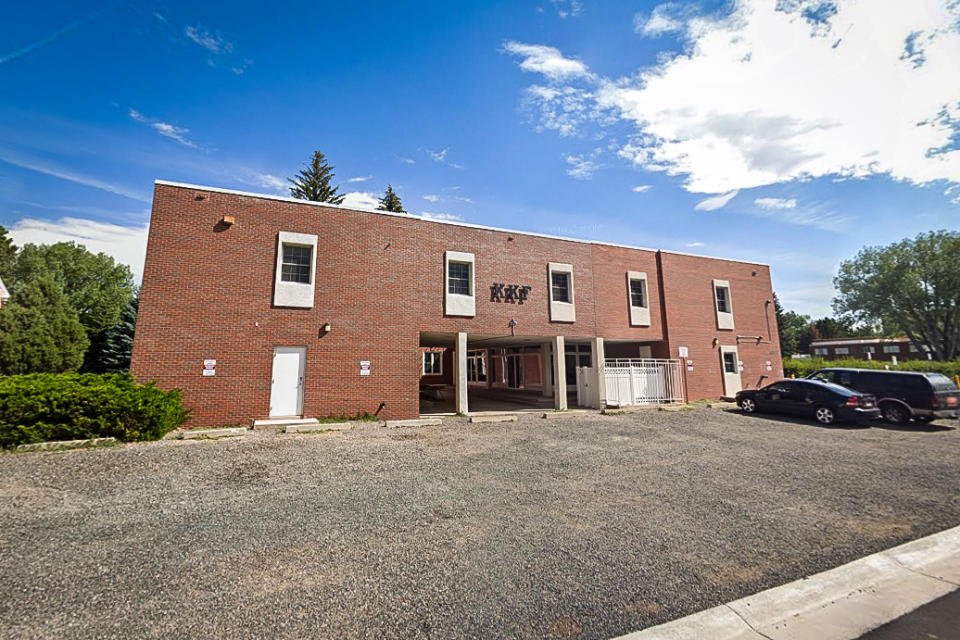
(825, 402)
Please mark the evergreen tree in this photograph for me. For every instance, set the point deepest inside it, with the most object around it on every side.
(8, 253)
(113, 356)
(40, 332)
(391, 201)
(313, 182)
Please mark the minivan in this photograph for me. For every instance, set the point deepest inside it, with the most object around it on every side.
(901, 395)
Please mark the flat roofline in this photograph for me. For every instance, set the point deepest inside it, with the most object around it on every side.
(268, 196)
(827, 342)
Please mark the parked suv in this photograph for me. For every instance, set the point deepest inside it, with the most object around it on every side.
(901, 395)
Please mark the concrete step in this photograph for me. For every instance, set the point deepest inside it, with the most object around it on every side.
(283, 423)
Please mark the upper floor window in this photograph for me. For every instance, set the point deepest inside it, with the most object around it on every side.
(562, 292)
(639, 301)
(460, 284)
(561, 286)
(723, 299)
(458, 279)
(296, 263)
(723, 304)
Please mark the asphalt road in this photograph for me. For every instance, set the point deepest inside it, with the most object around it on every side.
(586, 527)
(938, 620)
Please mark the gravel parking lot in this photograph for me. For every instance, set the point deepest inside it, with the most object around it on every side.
(587, 526)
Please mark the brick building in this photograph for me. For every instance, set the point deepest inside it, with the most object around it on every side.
(261, 306)
(886, 349)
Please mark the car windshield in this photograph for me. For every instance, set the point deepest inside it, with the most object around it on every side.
(822, 376)
(940, 382)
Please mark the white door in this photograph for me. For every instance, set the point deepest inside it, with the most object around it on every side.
(286, 390)
(730, 363)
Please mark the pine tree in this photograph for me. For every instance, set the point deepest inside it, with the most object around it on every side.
(114, 354)
(313, 182)
(40, 332)
(391, 201)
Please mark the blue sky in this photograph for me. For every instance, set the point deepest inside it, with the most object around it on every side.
(790, 133)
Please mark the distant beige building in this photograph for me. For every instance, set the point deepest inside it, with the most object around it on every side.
(886, 349)
(4, 294)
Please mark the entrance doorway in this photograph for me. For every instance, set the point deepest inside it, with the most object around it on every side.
(730, 364)
(514, 371)
(286, 389)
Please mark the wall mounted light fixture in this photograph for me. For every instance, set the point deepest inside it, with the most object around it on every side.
(716, 341)
(228, 220)
(325, 329)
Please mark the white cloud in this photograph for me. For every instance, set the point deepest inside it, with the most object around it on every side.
(441, 157)
(359, 179)
(361, 200)
(816, 217)
(214, 42)
(694, 244)
(643, 188)
(664, 18)
(582, 167)
(125, 244)
(567, 8)
(775, 203)
(778, 92)
(268, 181)
(431, 197)
(222, 51)
(46, 168)
(716, 202)
(448, 217)
(407, 160)
(53, 35)
(546, 60)
(165, 129)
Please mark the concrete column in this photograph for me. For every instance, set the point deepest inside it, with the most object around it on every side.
(600, 380)
(545, 369)
(460, 372)
(559, 374)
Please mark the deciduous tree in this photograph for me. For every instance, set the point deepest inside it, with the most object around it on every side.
(911, 286)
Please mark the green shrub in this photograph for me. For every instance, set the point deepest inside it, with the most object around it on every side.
(41, 407)
(804, 367)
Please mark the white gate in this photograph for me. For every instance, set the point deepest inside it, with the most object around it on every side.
(642, 381)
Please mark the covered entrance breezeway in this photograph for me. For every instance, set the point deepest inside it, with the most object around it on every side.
(474, 373)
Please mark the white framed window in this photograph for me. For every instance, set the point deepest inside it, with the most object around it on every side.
(459, 284)
(869, 349)
(433, 363)
(294, 280)
(891, 348)
(723, 304)
(841, 351)
(639, 298)
(913, 349)
(476, 366)
(562, 292)
(820, 351)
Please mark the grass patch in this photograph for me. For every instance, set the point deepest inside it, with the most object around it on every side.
(360, 417)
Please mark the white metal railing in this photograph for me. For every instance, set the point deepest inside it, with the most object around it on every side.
(632, 381)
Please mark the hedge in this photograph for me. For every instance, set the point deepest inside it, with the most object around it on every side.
(42, 407)
(804, 367)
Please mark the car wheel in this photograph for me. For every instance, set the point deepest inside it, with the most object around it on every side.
(825, 415)
(895, 414)
(747, 405)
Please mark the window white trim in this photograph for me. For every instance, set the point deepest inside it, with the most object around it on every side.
(561, 311)
(639, 316)
(724, 318)
(455, 304)
(434, 356)
(891, 348)
(295, 294)
(841, 351)
(820, 351)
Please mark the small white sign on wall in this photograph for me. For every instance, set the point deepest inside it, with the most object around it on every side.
(364, 367)
(684, 352)
(209, 367)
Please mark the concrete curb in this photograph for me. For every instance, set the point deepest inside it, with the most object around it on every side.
(415, 422)
(493, 418)
(54, 445)
(213, 434)
(317, 427)
(839, 604)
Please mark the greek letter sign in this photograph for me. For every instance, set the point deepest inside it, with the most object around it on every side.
(512, 293)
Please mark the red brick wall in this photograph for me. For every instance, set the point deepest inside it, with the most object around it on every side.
(691, 321)
(208, 291)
